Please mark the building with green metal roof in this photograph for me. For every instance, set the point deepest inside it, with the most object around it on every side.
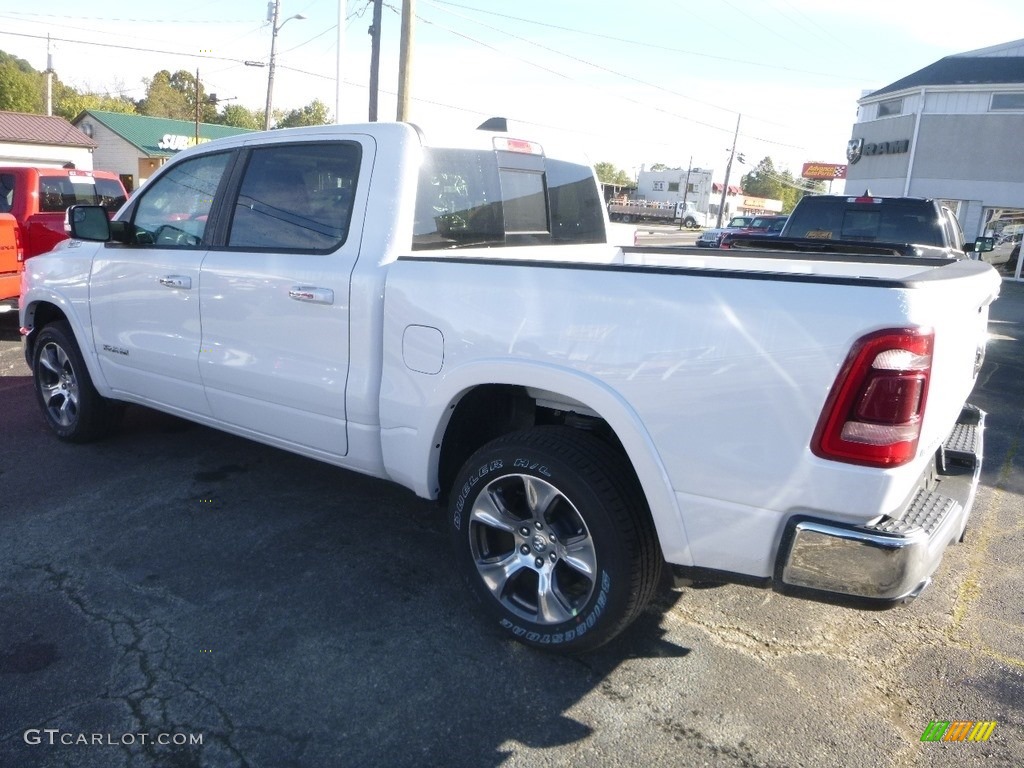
(134, 146)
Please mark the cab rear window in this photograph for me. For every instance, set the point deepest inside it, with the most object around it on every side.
(895, 221)
(469, 198)
(58, 193)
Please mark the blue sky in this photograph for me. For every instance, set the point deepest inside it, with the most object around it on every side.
(632, 83)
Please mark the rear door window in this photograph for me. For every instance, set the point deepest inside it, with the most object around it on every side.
(296, 197)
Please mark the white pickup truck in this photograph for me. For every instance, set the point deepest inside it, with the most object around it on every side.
(449, 315)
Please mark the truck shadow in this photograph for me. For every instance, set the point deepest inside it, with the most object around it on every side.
(293, 613)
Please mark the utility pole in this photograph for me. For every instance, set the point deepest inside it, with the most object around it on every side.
(375, 58)
(338, 68)
(49, 79)
(197, 105)
(405, 59)
(728, 170)
(686, 190)
(273, 13)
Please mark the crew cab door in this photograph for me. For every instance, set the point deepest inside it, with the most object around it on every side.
(275, 296)
(144, 294)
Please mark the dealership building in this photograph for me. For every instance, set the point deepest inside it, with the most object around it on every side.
(953, 132)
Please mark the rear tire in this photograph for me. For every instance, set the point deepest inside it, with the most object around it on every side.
(552, 533)
(72, 407)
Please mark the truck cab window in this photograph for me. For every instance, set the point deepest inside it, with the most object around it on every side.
(296, 197)
(458, 200)
(6, 191)
(174, 208)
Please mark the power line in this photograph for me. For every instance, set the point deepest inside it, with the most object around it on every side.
(613, 72)
(649, 45)
(123, 47)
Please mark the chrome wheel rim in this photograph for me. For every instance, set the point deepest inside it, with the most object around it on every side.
(532, 549)
(58, 384)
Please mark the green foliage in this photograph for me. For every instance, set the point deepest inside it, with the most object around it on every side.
(22, 89)
(69, 103)
(241, 117)
(314, 113)
(763, 181)
(659, 167)
(607, 173)
(175, 96)
(766, 181)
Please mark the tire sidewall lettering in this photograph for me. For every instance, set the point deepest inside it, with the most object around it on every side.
(467, 488)
(583, 625)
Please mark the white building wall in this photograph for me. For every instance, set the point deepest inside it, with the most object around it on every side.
(655, 186)
(45, 156)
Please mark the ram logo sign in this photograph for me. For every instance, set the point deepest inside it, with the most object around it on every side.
(958, 730)
(858, 148)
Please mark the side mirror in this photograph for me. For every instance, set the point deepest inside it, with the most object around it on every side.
(981, 245)
(87, 222)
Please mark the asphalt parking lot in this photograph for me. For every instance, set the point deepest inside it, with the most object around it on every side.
(252, 608)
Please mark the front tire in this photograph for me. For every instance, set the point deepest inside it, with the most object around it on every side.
(72, 407)
(552, 533)
(690, 223)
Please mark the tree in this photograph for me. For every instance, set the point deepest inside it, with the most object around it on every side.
(241, 117)
(21, 87)
(175, 96)
(763, 181)
(768, 182)
(314, 113)
(607, 173)
(659, 167)
(69, 103)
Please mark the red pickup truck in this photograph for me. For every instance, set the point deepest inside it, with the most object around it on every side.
(32, 206)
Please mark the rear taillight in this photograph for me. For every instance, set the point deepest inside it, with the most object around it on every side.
(873, 414)
(18, 248)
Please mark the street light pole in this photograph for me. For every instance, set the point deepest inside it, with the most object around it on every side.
(273, 13)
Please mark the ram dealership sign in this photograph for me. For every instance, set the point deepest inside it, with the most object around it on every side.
(857, 148)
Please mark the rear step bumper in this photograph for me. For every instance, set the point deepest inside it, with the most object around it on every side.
(893, 558)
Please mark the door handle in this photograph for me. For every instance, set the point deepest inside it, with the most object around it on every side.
(311, 294)
(175, 281)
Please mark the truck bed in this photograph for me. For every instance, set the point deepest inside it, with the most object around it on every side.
(746, 346)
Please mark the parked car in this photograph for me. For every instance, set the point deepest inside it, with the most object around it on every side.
(1005, 251)
(769, 226)
(36, 199)
(867, 218)
(711, 238)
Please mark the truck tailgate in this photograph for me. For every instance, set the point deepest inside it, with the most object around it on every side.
(954, 300)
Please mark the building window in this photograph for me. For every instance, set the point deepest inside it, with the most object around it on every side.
(1007, 101)
(673, 186)
(890, 108)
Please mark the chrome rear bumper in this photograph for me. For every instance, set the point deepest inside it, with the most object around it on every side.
(893, 558)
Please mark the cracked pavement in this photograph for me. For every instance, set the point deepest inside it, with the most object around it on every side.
(175, 580)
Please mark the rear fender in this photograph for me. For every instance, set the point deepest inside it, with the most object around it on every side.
(413, 431)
